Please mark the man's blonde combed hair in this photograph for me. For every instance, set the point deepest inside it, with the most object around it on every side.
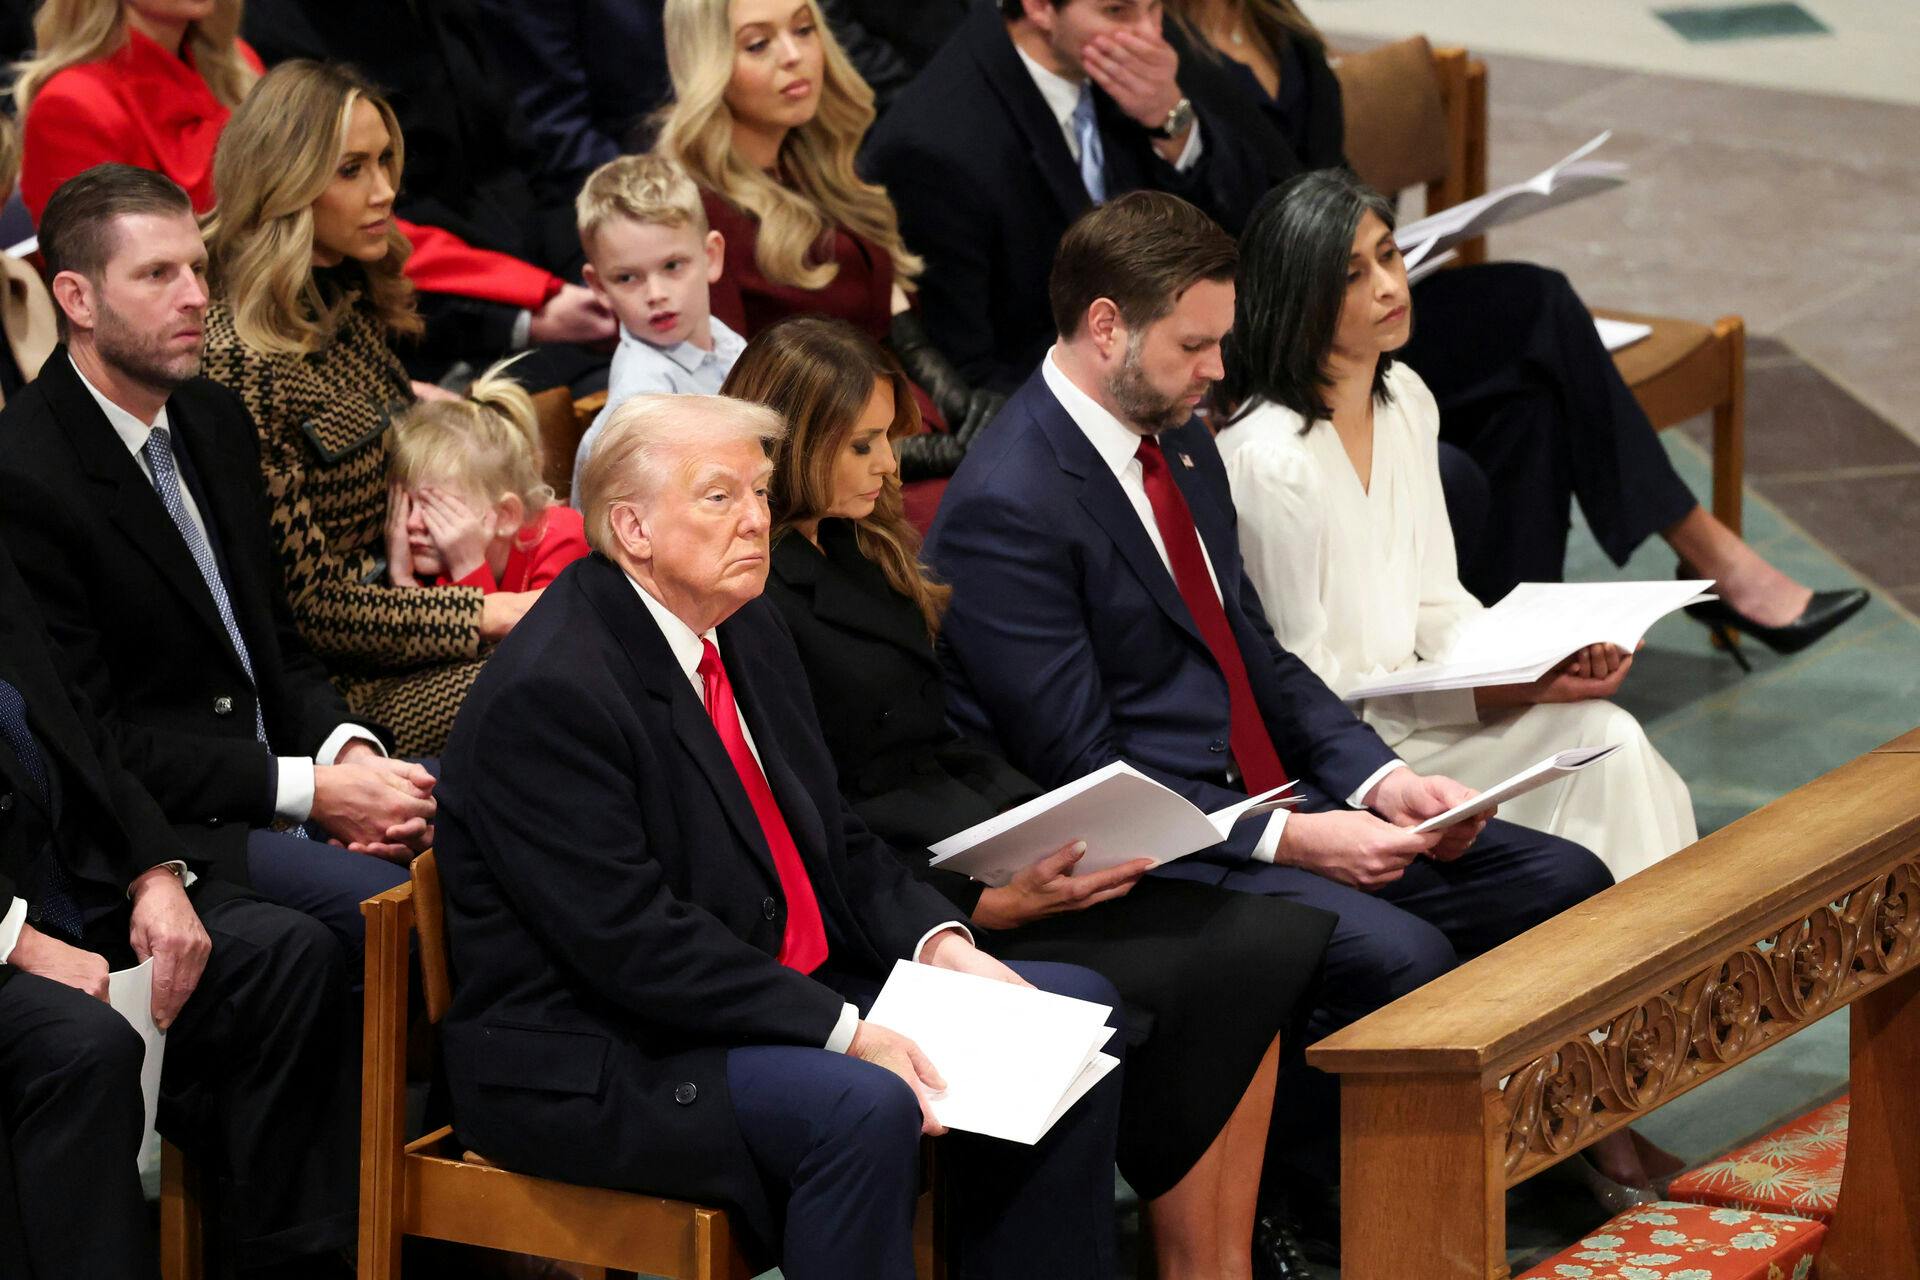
(653, 189)
(636, 449)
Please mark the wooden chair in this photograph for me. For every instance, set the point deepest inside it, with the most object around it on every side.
(1416, 115)
(431, 1187)
(182, 1249)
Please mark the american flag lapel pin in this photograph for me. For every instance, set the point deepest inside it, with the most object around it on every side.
(1186, 461)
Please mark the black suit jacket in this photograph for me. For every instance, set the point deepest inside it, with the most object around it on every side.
(889, 41)
(133, 621)
(585, 74)
(882, 701)
(104, 828)
(985, 187)
(1068, 641)
(612, 906)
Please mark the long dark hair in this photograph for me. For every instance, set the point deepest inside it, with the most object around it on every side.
(1293, 282)
(818, 373)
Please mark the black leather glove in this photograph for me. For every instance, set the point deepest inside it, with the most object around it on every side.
(967, 409)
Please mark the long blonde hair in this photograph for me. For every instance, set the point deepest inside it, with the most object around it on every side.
(817, 158)
(819, 373)
(67, 33)
(275, 158)
(488, 442)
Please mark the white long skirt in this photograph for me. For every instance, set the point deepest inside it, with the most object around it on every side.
(1630, 809)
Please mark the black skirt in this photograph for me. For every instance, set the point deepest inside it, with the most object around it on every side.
(1209, 978)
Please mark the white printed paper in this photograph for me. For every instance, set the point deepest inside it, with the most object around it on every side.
(1121, 813)
(1554, 767)
(130, 991)
(1015, 1058)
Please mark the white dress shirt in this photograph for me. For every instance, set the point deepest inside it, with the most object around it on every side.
(1118, 446)
(1063, 95)
(641, 368)
(688, 648)
(293, 781)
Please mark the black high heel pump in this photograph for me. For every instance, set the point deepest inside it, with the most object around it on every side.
(1827, 610)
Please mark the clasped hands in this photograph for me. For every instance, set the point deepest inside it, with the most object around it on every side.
(374, 805)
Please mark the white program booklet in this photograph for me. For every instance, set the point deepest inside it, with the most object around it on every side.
(130, 992)
(1555, 766)
(1015, 1059)
(1537, 625)
(1423, 241)
(1120, 812)
(1617, 334)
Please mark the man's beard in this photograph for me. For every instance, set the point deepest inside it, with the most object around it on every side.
(1142, 406)
(141, 356)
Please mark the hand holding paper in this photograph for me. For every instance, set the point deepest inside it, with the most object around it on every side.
(1012, 1059)
(1408, 798)
(884, 1047)
(1553, 767)
(1049, 887)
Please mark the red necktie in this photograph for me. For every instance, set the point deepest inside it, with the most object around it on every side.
(804, 947)
(1260, 767)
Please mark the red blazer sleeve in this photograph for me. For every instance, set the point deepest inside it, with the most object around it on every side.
(73, 125)
(565, 542)
(444, 263)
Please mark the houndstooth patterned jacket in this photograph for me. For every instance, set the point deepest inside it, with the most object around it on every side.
(403, 656)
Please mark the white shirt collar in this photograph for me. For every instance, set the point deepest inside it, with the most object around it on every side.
(688, 648)
(727, 345)
(1062, 94)
(133, 433)
(1115, 442)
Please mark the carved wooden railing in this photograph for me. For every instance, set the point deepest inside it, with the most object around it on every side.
(1522, 1057)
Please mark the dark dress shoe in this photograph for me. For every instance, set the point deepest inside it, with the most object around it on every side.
(1276, 1253)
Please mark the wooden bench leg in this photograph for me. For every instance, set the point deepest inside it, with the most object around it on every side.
(1730, 425)
(1422, 1190)
(182, 1249)
(1876, 1226)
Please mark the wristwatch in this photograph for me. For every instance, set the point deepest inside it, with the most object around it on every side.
(1176, 122)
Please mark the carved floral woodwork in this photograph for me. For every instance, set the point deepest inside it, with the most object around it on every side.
(1725, 1013)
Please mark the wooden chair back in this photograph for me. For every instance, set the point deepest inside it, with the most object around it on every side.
(1585, 1024)
(1417, 116)
(560, 432)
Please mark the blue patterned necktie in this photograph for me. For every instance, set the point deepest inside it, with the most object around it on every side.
(158, 452)
(52, 898)
(1093, 155)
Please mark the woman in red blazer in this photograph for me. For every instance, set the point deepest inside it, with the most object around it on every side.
(111, 82)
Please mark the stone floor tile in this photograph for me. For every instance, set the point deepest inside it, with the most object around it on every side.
(1515, 83)
(1871, 522)
(1800, 422)
(1868, 340)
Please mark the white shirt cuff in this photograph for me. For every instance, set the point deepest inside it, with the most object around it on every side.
(10, 926)
(1189, 154)
(293, 789)
(842, 1038)
(522, 331)
(329, 752)
(184, 871)
(920, 947)
(1358, 800)
(1268, 846)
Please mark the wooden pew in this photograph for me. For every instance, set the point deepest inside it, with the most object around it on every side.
(1520, 1058)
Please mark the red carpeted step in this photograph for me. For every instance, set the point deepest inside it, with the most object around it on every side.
(1795, 1169)
(1673, 1241)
